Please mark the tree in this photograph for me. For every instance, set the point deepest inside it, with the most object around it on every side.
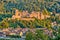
(29, 36)
(4, 24)
(56, 34)
(38, 35)
(41, 35)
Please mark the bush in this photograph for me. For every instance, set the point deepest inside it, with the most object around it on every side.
(14, 36)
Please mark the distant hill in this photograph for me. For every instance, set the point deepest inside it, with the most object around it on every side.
(30, 5)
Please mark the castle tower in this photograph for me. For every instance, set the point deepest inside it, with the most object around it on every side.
(41, 16)
(18, 14)
(38, 15)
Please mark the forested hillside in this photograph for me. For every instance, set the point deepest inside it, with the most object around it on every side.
(30, 5)
(7, 9)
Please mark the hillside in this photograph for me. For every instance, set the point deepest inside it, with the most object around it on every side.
(30, 5)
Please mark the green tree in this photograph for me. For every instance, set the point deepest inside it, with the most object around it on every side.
(41, 35)
(29, 36)
(38, 35)
(4, 24)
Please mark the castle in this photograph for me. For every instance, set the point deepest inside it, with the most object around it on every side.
(25, 15)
